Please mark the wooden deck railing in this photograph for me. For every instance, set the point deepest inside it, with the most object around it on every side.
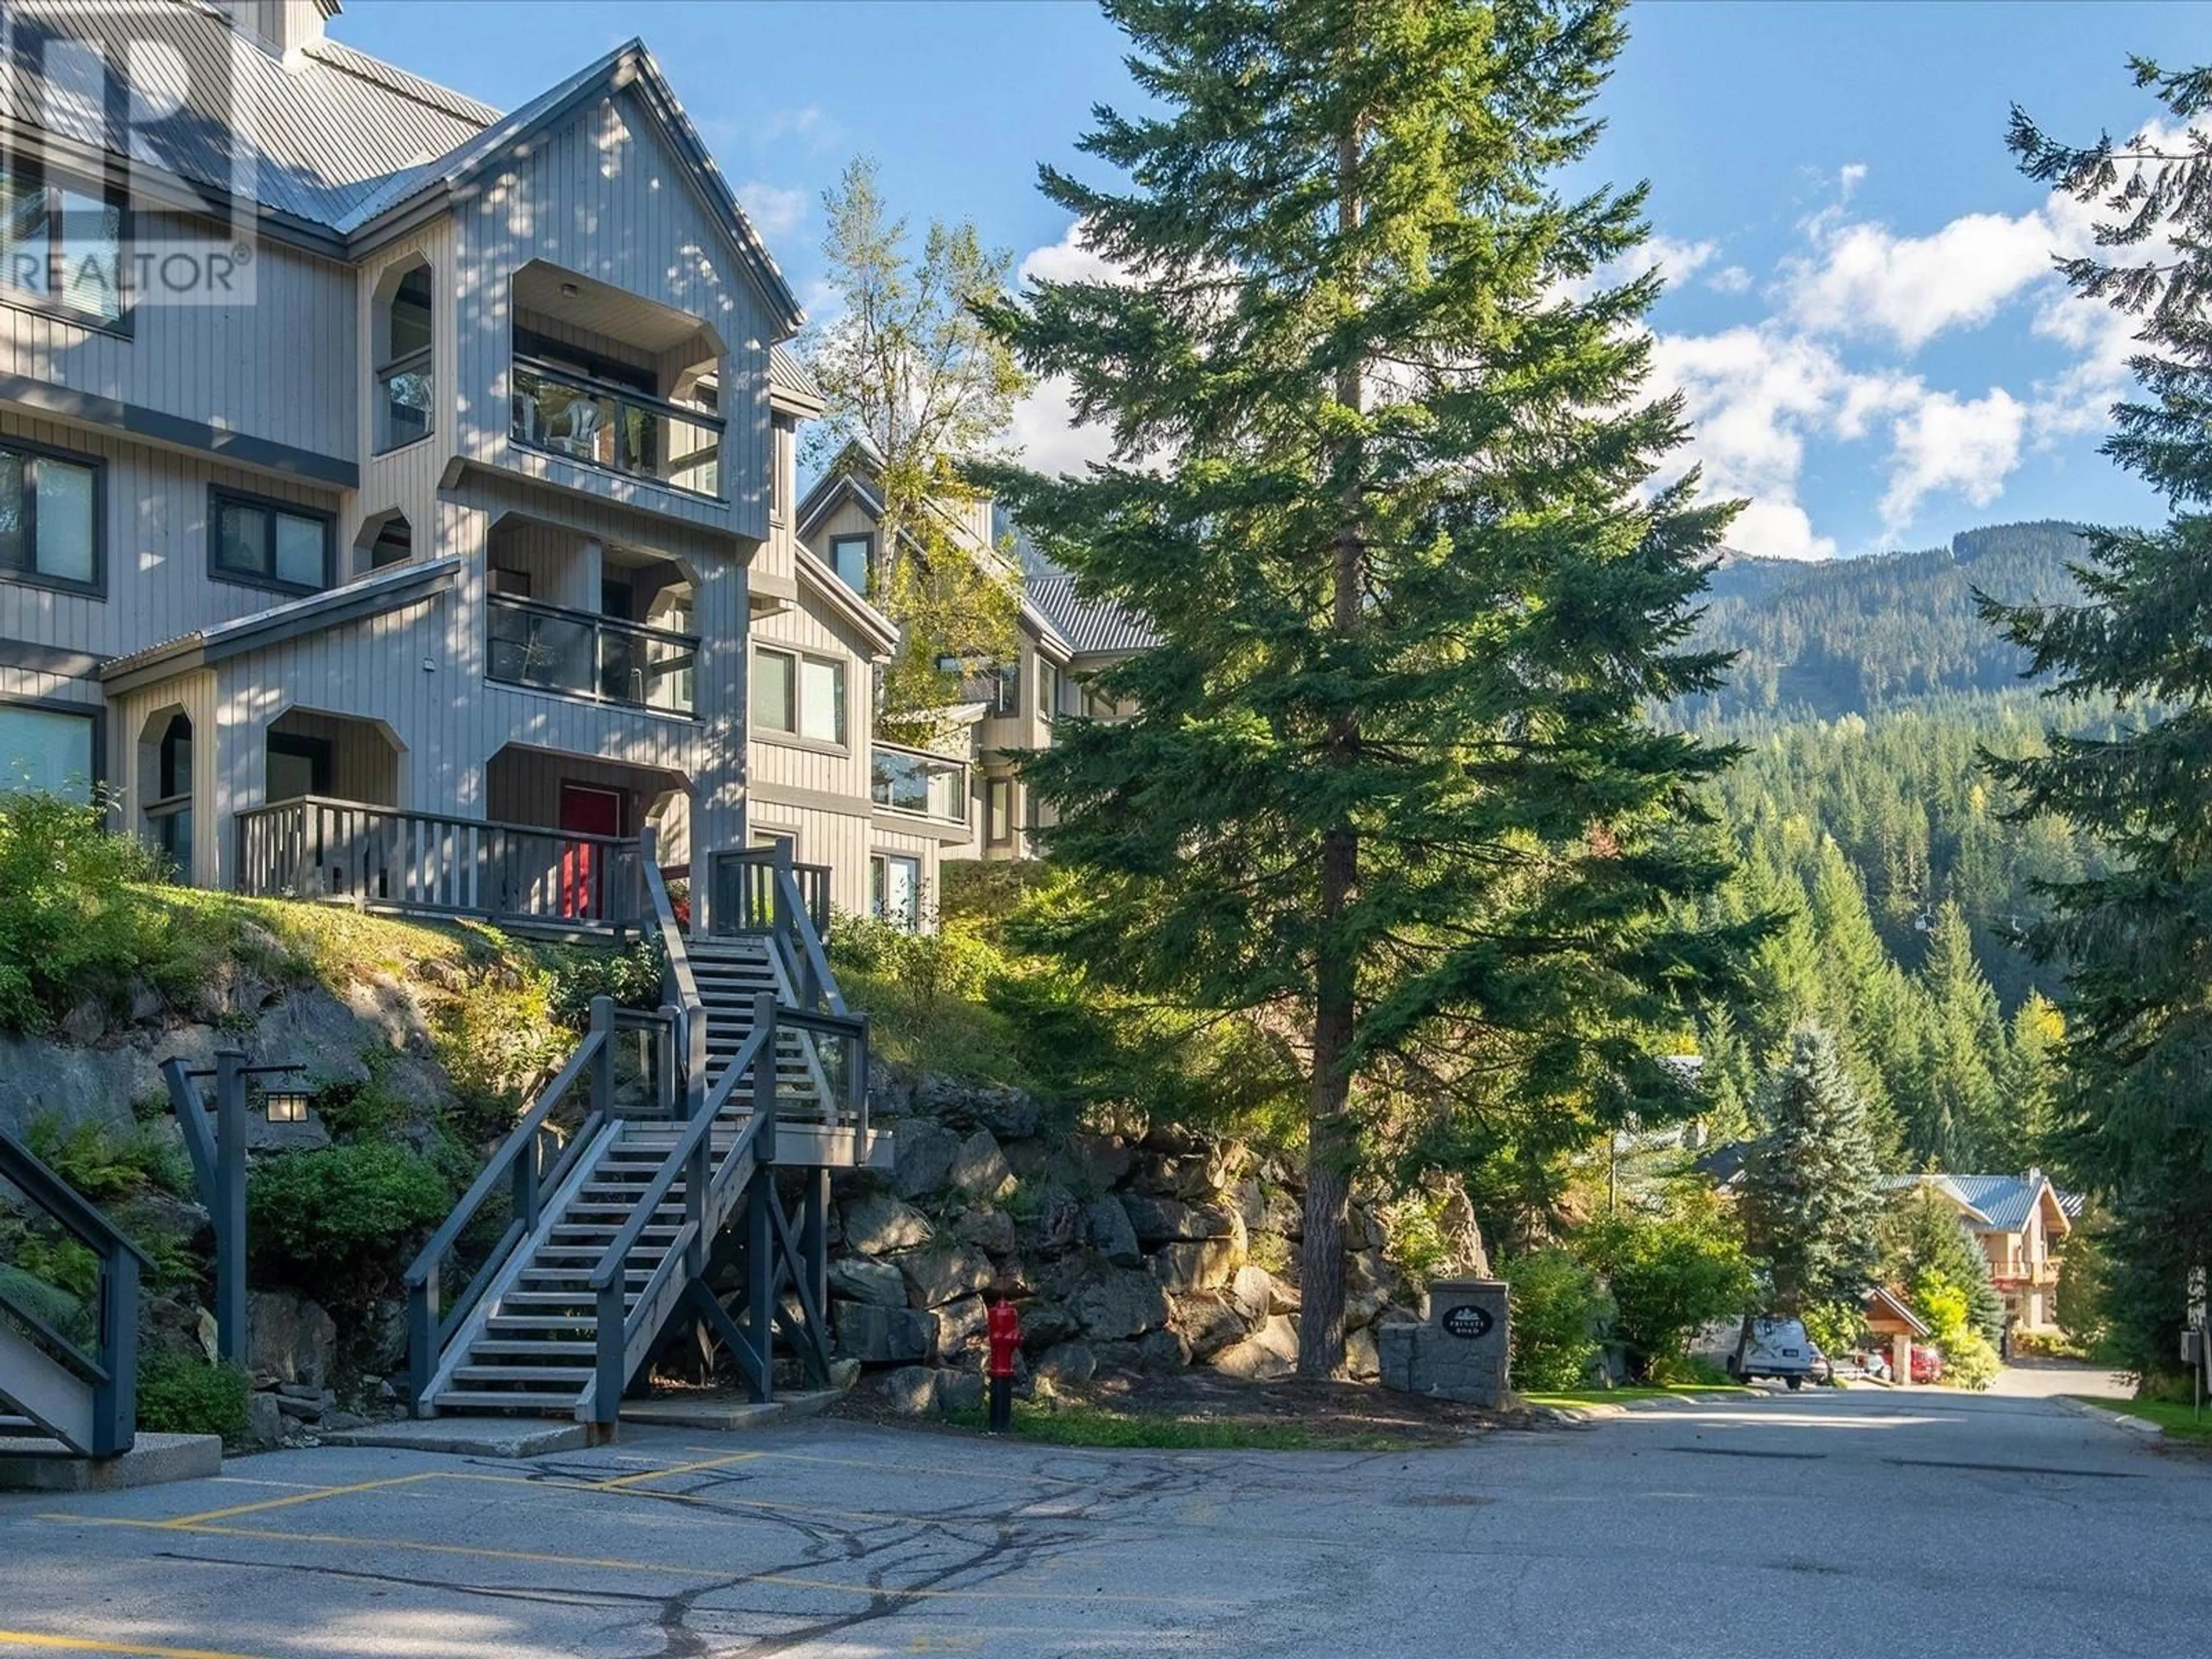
(434, 863)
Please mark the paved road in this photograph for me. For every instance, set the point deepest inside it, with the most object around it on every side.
(1919, 1523)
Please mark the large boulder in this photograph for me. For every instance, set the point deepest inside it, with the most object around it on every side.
(1010, 1114)
(1107, 1160)
(1067, 1363)
(923, 1153)
(959, 1390)
(910, 1391)
(878, 1335)
(1209, 1322)
(859, 1280)
(1106, 1222)
(1119, 1304)
(1163, 1220)
(289, 1339)
(878, 1224)
(1045, 1324)
(989, 1231)
(980, 1168)
(1464, 1257)
(1253, 1290)
(1362, 1362)
(1283, 1213)
(937, 1274)
(1270, 1352)
(1367, 1284)
(1250, 1203)
(960, 1326)
(1162, 1350)
(1053, 1221)
(1203, 1264)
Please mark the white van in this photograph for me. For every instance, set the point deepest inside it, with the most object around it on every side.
(1778, 1348)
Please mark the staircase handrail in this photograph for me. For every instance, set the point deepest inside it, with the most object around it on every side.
(853, 1028)
(792, 919)
(683, 985)
(113, 1369)
(515, 1162)
(614, 1261)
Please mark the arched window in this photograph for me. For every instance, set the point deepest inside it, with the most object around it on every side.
(164, 787)
(405, 385)
(384, 541)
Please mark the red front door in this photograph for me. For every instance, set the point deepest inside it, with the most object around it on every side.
(586, 810)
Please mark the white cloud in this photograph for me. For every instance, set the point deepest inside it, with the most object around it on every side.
(1044, 433)
(810, 124)
(1849, 177)
(774, 209)
(1730, 279)
(1861, 278)
(1070, 259)
(1947, 444)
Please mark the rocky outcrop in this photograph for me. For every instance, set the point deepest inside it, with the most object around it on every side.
(1128, 1245)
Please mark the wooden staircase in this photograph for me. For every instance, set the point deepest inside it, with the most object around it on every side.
(613, 1224)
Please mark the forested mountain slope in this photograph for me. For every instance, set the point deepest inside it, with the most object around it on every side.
(1854, 635)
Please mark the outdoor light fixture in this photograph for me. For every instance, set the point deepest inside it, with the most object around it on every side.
(286, 1105)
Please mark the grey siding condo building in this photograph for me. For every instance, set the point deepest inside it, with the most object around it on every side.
(389, 485)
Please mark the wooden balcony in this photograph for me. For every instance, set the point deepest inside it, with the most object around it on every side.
(382, 858)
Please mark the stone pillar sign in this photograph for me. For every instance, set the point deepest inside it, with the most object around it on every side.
(1459, 1352)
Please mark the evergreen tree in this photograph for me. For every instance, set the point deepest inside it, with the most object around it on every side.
(1385, 489)
(1811, 1192)
(1922, 1233)
(2135, 1111)
(1959, 1117)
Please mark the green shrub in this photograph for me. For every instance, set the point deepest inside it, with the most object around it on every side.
(1559, 1315)
(343, 1222)
(64, 1311)
(1670, 1274)
(107, 1161)
(1969, 1361)
(68, 927)
(181, 1394)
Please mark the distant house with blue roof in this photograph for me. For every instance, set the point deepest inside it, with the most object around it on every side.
(2019, 1220)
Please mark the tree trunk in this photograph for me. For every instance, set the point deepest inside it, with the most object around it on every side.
(1332, 1136)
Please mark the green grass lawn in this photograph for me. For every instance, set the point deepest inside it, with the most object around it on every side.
(2178, 1421)
(1630, 1396)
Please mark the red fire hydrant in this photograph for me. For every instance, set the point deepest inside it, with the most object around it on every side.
(1005, 1330)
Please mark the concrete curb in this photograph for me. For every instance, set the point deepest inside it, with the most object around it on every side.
(1600, 1410)
(2118, 1419)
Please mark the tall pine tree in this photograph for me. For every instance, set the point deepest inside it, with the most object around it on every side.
(2135, 1109)
(1812, 1189)
(1383, 490)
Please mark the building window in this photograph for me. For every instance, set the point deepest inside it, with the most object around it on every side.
(50, 751)
(268, 543)
(800, 695)
(1049, 692)
(50, 518)
(775, 690)
(999, 811)
(848, 558)
(405, 381)
(60, 248)
(895, 891)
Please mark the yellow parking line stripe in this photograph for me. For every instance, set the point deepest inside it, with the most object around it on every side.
(24, 1638)
(316, 1495)
(680, 1468)
(717, 1572)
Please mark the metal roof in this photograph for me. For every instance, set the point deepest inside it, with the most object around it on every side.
(1994, 1203)
(1091, 627)
(787, 374)
(327, 136)
(310, 139)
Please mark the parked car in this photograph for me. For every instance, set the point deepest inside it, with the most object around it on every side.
(1778, 1348)
(1927, 1365)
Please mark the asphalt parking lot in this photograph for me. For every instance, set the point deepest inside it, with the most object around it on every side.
(1935, 1524)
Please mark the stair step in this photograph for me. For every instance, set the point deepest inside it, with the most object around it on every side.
(502, 1324)
(486, 1347)
(578, 1375)
(495, 1399)
(541, 1300)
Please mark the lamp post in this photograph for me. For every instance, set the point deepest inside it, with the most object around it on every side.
(219, 1169)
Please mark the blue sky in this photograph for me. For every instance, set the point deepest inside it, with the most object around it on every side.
(1860, 308)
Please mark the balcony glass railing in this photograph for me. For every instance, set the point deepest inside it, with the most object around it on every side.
(928, 785)
(552, 649)
(614, 428)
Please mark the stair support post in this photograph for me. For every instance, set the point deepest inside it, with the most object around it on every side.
(760, 1236)
(422, 1342)
(667, 1094)
(814, 1237)
(232, 1338)
(115, 1396)
(603, 1057)
(613, 1342)
(699, 1173)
